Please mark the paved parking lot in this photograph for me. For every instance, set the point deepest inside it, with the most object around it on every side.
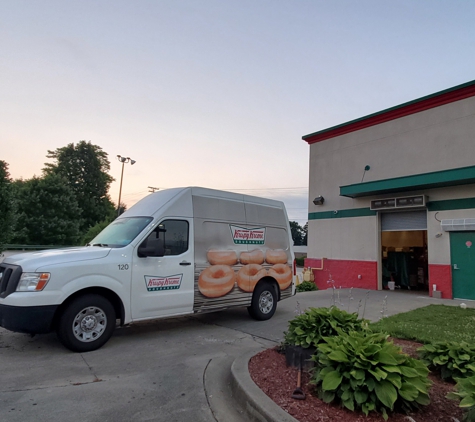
(166, 370)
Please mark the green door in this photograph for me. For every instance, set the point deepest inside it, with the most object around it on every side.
(462, 255)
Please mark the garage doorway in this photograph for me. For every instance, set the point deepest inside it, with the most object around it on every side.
(404, 250)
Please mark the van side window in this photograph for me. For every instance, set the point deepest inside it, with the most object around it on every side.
(175, 236)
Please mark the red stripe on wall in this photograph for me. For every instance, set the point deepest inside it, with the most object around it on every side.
(392, 114)
(344, 273)
(441, 276)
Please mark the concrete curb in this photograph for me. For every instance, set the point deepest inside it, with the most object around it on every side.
(254, 402)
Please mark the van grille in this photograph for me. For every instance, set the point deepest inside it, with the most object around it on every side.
(9, 279)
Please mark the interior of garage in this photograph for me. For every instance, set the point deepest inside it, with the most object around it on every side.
(404, 259)
(404, 250)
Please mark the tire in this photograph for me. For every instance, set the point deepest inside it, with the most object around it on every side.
(87, 323)
(264, 302)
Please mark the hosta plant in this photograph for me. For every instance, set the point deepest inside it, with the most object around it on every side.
(452, 359)
(306, 286)
(364, 371)
(308, 329)
(465, 392)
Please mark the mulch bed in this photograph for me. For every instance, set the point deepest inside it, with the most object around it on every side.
(269, 371)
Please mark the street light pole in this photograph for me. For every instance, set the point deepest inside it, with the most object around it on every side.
(123, 160)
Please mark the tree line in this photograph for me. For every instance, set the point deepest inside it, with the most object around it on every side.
(69, 204)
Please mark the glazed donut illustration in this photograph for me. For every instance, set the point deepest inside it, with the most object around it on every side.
(276, 256)
(216, 281)
(249, 275)
(220, 257)
(282, 274)
(253, 257)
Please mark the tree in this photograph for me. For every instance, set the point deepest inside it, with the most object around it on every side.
(48, 212)
(7, 206)
(297, 233)
(85, 167)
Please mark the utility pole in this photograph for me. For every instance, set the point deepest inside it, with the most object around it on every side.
(152, 189)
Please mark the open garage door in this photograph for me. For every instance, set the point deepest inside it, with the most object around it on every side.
(404, 250)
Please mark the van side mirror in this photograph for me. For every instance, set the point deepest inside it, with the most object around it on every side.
(151, 247)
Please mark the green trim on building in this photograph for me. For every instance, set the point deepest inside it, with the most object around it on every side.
(387, 110)
(451, 204)
(444, 205)
(437, 179)
(355, 212)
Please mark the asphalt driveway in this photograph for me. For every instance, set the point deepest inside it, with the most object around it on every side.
(166, 370)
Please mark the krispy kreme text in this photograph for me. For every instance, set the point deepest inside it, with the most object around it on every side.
(172, 282)
(254, 236)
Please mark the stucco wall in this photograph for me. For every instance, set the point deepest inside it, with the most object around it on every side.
(432, 140)
(429, 141)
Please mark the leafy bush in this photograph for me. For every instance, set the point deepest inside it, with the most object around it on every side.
(95, 230)
(306, 286)
(452, 359)
(308, 329)
(300, 261)
(364, 371)
(465, 392)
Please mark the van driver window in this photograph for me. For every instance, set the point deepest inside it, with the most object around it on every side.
(175, 236)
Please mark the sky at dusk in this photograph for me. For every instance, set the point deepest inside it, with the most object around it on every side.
(215, 93)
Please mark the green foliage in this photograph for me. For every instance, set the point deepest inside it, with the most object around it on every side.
(7, 206)
(48, 213)
(85, 167)
(306, 286)
(452, 359)
(465, 392)
(94, 231)
(300, 261)
(363, 371)
(299, 233)
(431, 324)
(308, 329)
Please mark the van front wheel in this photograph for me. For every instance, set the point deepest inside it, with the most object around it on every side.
(264, 302)
(87, 323)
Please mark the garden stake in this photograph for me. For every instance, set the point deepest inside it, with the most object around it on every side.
(298, 392)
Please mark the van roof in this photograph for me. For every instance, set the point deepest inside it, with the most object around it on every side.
(160, 198)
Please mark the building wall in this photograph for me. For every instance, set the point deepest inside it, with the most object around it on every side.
(437, 139)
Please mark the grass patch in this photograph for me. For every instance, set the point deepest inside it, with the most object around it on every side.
(430, 324)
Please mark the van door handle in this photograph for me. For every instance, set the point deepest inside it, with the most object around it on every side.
(185, 263)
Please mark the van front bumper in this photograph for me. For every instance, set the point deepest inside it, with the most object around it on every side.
(27, 319)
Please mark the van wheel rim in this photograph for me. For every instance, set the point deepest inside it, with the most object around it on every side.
(89, 324)
(266, 302)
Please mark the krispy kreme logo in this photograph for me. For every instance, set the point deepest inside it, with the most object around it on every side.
(242, 235)
(171, 282)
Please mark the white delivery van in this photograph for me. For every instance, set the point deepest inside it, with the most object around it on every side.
(176, 252)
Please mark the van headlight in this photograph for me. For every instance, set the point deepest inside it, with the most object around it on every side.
(32, 282)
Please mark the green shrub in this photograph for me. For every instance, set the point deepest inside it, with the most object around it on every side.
(300, 261)
(308, 329)
(306, 286)
(465, 392)
(452, 359)
(94, 231)
(363, 371)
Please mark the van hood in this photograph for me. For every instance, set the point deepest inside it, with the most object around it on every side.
(33, 261)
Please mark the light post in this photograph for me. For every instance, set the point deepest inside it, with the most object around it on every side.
(123, 160)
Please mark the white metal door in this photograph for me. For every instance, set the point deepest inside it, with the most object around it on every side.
(163, 286)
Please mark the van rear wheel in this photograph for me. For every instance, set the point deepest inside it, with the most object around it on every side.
(87, 323)
(264, 302)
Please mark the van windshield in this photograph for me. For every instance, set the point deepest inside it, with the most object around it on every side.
(120, 232)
